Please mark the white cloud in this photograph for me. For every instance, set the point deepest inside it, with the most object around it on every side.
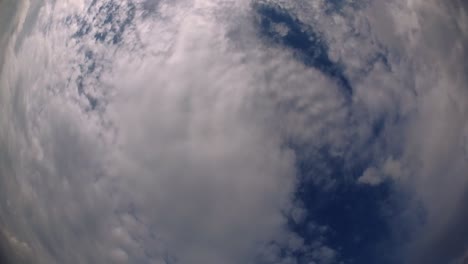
(184, 156)
(176, 164)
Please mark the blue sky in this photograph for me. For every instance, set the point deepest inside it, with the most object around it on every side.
(357, 217)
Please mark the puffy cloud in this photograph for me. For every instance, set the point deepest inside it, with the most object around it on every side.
(166, 131)
(123, 156)
(371, 176)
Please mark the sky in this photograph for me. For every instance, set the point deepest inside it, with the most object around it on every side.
(222, 131)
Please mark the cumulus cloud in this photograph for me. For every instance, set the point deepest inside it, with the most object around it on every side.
(171, 163)
(165, 132)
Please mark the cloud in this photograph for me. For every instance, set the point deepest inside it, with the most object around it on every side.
(433, 155)
(411, 103)
(371, 176)
(172, 164)
(168, 131)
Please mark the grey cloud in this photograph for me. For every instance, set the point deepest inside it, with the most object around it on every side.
(184, 157)
(433, 155)
(371, 176)
(177, 166)
(448, 242)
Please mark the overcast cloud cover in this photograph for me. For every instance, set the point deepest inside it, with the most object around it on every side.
(157, 131)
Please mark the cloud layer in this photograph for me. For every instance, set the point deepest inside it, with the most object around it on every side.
(186, 131)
